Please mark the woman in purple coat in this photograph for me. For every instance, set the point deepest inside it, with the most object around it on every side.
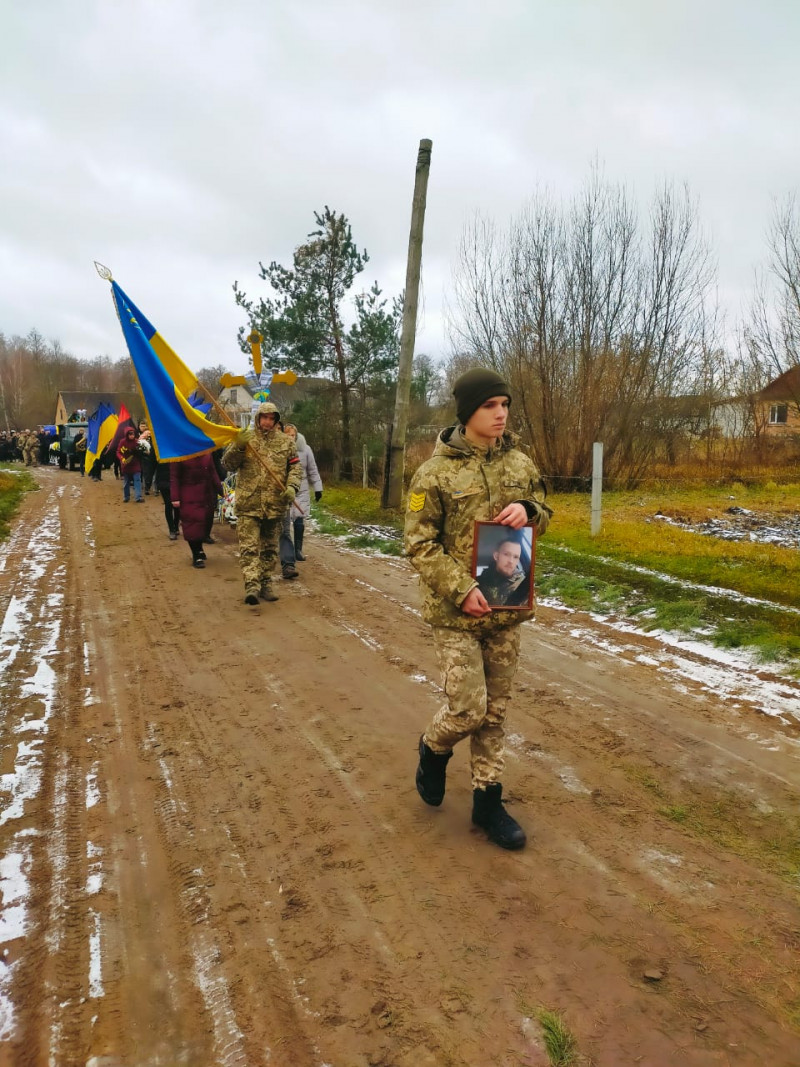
(195, 486)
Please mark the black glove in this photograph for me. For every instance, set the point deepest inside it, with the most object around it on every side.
(318, 494)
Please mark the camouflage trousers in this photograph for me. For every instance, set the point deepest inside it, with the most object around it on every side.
(30, 455)
(258, 549)
(477, 671)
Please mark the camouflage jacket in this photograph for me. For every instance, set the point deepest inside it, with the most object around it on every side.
(497, 588)
(459, 485)
(258, 494)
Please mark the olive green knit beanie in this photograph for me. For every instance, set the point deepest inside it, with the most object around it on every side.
(474, 388)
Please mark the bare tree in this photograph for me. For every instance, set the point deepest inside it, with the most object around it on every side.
(772, 333)
(596, 322)
(210, 376)
(32, 371)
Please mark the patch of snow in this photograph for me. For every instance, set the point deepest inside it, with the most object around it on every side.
(386, 596)
(581, 850)
(566, 774)
(653, 855)
(92, 788)
(95, 957)
(228, 1038)
(14, 893)
(365, 639)
(11, 632)
(733, 676)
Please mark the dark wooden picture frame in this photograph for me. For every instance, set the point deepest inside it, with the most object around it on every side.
(487, 557)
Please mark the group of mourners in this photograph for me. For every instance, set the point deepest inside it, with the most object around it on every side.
(31, 447)
(275, 474)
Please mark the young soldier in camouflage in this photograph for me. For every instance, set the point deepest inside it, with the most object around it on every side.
(260, 500)
(476, 473)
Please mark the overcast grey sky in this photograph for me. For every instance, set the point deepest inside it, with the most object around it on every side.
(182, 141)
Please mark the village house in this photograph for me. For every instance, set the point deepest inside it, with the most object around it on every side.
(778, 405)
(774, 411)
(237, 403)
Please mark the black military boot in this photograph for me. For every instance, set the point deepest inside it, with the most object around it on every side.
(431, 774)
(488, 813)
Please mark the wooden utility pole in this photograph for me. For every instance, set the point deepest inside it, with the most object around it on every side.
(393, 475)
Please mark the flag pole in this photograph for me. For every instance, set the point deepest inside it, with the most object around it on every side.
(106, 275)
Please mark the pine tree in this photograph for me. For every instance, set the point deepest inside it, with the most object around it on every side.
(302, 322)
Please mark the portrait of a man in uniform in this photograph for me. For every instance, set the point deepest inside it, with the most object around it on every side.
(503, 563)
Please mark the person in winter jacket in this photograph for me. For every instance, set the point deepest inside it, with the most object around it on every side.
(268, 476)
(293, 531)
(130, 465)
(147, 458)
(30, 448)
(476, 473)
(80, 451)
(194, 488)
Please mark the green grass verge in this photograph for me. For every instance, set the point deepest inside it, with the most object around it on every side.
(356, 516)
(631, 534)
(13, 487)
(607, 587)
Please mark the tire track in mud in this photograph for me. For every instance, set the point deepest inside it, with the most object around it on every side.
(66, 968)
(279, 898)
(35, 663)
(151, 1010)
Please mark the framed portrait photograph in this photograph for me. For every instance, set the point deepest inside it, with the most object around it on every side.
(502, 565)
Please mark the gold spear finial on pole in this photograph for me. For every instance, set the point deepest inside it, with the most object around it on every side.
(104, 272)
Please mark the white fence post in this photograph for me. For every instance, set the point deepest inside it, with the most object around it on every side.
(597, 486)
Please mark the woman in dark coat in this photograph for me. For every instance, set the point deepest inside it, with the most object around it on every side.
(195, 486)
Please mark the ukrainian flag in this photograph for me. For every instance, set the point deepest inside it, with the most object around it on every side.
(179, 430)
(99, 432)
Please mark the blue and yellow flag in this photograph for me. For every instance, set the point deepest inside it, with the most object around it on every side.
(179, 429)
(102, 424)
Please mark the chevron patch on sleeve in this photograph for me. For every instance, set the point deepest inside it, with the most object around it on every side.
(416, 502)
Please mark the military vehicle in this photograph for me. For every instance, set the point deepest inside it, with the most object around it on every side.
(67, 432)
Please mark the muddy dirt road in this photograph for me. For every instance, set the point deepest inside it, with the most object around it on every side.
(212, 852)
